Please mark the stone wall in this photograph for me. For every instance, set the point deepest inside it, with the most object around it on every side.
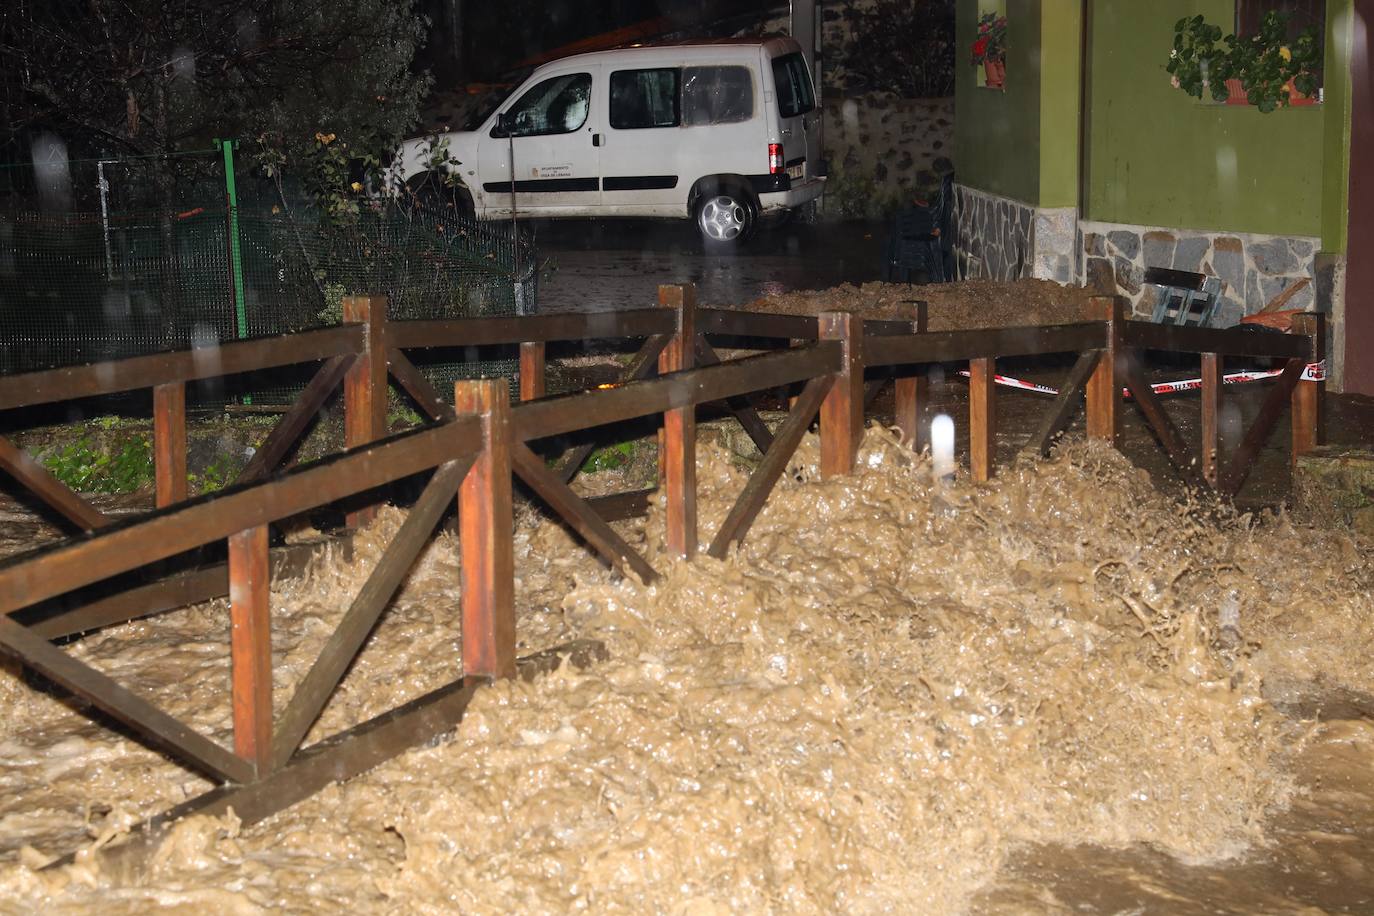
(1254, 269)
(998, 238)
(875, 146)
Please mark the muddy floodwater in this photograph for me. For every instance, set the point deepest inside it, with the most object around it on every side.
(1060, 692)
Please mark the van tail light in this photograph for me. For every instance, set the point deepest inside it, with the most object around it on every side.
(775, 161)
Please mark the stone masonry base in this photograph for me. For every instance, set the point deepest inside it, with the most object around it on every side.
(998, 238)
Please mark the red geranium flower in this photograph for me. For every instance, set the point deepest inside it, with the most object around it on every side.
(980, 47)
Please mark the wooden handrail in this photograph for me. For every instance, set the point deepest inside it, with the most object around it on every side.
(69, 383)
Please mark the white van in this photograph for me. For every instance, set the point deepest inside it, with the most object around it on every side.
(720, 132)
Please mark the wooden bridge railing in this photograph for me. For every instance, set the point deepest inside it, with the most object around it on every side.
(473, 449)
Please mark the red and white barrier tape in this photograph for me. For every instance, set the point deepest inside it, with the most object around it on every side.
(1314, 372)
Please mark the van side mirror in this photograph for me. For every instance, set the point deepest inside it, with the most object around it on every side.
(505, 125)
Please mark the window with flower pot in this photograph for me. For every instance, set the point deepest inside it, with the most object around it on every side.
(1276, 66)
(988, 53)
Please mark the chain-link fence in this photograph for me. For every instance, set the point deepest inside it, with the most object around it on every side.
(119, 277)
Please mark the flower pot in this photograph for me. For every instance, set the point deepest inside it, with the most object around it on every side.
(1236, 95)
(1297, 98)
(994, 73)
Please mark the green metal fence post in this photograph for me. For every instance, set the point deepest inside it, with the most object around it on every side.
(235, 252)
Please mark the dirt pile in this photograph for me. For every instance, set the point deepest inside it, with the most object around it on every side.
(893, 683)
(957, 306)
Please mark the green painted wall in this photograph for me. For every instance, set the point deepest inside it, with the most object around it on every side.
(1336, 136)
(997, 133)
(1160, 157)
(1022, 143)
(1061, 46)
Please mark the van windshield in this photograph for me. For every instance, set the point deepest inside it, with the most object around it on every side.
(793, 85)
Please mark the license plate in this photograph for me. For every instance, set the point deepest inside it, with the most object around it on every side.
(795, 171)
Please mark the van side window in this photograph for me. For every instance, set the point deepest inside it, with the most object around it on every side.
(557, 105)
(644, 98)
(716, 95)
(793, 83)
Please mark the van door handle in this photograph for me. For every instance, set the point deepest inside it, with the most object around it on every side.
(596, 139)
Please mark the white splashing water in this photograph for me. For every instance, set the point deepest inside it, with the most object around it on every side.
(942, 445)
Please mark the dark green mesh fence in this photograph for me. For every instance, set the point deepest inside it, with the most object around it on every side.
(103, 282)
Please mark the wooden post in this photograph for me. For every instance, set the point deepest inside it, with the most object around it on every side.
(842, 412)
(982, 417)
(1211, 413)
(365, 386)
(169, 442)
(677, 456)
(1104, 387)
(911, 394)
(485, 531)
(250, 646)
(1308, 403)
(532, 370)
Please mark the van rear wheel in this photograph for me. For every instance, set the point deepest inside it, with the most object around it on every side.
(725, 216)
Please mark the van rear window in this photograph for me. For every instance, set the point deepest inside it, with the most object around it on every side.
(716, 95)
(793, 85)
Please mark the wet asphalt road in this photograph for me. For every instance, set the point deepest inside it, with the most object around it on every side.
(597, 265)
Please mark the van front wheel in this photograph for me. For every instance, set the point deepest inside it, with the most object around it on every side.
(725, 216)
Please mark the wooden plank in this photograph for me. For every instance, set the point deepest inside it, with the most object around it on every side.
(165, 594)
(365, 385)
(49, 385)
(1210, 447)
(579, 515)
(755, 493)
(372, 599)
(982, 418)
(678, 445)
(102, 692)
(911, 391)
(957, 346)
(413, 382)
(741, 323)
(481, 332)
(1274, 404)
(1104, 386)
(1182, 457)
(60, 568)
(54, 493)
(616, 506)
(1146, 335)
(642, 365)
(169, 442)
(418, 723)
(297, 419)
(532, 370)
(1308, 401)
(556, 415)
(250, 646)
(486, 530)
(842, 413)
(1057, 418)
(743, 411)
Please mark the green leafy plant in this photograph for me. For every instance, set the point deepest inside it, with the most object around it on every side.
(610, 457)
(1266, 63)
(87, 467)
(991, 43)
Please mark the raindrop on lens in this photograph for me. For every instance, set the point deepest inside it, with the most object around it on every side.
(942, 445)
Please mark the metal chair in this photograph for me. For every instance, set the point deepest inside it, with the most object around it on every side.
(919, 241)
(1186, 299)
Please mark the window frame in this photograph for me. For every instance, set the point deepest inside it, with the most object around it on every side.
(498, 130)
(676, 98)
(682, 94)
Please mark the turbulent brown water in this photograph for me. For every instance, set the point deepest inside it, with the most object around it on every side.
(899, 694)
